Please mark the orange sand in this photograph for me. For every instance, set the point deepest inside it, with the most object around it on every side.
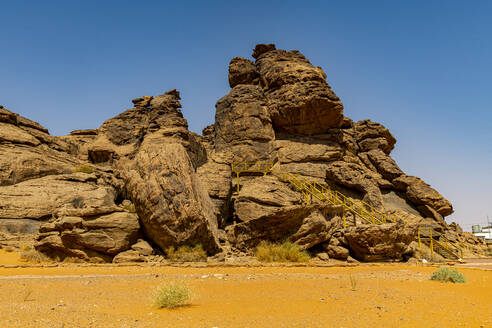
(383, 296)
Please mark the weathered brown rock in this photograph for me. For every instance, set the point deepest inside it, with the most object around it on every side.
(284, 223)
(142, 247)
(420, 193)
(384, 164)
(142, 101)
(315, 229)
(106, 234)
(242, 71)
(173, 206)
(260, 49)
(40, 198)
(263, 195)
(243, 126)
(380, 242)
(300, 99)
(301, 151)
(371, 135)
(129, 256)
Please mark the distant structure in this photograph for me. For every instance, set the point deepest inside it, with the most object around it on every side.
(483, 232)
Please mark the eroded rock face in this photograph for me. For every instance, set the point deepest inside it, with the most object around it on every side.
(88, 237)
(263, 195)
(420, 193)
(242, 71)
(300, 99)
(172, 205)
(243, 126)
(280, 111)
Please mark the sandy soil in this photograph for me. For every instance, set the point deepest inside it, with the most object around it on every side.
(383, 296)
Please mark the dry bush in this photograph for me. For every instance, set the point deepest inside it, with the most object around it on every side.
(172, 295)
(285, 252)
(130, 208)
(445, 274)
(84, 169)
(9, 249)
(353, 283)
(186, 254)
(32, 256)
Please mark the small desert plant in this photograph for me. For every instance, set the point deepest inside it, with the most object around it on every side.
(186, 254)
(445, 274)
(353, 283)
(31, 255)
(130, 208)
(285, 252)
(84, 169)
(8, 249)
(172, 295)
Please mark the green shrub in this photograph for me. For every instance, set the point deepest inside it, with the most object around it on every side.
(172, 295)
(186, 254)
(84, 169)
(445, 274)
(286, 252)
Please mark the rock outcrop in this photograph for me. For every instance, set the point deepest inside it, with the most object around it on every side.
(142, 182)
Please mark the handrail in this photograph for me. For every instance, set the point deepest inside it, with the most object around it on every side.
(359, 208)
(429, 233)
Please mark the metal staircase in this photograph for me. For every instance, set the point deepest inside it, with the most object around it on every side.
(368, 214)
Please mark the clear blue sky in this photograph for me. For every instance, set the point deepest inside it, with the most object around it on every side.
(422, 68)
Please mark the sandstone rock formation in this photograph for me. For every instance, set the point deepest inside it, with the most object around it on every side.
(142, 182)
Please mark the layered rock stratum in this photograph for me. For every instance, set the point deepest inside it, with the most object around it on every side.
(142, 178)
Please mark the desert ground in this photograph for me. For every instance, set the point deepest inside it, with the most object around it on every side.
(376, 295)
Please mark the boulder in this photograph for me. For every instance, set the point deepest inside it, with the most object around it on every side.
(243, 126)
(142, 247)
(371, 135)
(106, 234)
(371, 242)
(284, 223)
(130, 256)
(260, 49)
(384, 164)
(315, 229)
(242, 71)
(335, 249)
(172, 204)
(420, 193)
(263, 195)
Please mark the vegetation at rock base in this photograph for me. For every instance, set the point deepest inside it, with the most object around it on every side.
(31, 255)
(130, 208)
(172, 295)
(186, 254)
(285, 252)
(445, 274)
(84, 169)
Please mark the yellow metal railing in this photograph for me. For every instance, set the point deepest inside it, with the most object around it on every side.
(245, 167)
(438, 242)
(358, 208)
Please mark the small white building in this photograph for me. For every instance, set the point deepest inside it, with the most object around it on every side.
(484, 232)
